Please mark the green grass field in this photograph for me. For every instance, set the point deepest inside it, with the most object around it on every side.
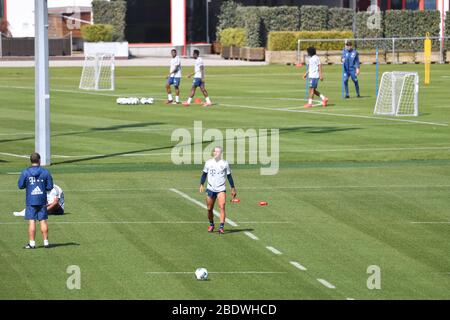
(349, 193)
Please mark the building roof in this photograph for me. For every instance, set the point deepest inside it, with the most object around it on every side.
(68, 10)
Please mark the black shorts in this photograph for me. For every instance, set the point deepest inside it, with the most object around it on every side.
(57, 210)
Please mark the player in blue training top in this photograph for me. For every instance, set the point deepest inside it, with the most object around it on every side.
(37, 181)
(350, 60)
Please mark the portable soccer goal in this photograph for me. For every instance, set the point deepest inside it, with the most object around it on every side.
(98, 72)
(398, 94)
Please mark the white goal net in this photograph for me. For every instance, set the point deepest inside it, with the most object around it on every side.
(398, 94)
(98, 72)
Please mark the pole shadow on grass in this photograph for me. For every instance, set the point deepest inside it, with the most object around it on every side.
(99, 129)
(305, 129)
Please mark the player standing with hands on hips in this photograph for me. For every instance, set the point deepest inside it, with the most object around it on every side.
(216, 169)
(174, 78)
(315, 74)
(350, 60)
(37, 181)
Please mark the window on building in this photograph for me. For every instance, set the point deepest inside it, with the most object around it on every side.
(430, 4)
(396, 4)
(148, 21)
(1, 9)
(412, 4)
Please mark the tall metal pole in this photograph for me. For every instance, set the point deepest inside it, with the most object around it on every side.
(42, 87)
(207, 21)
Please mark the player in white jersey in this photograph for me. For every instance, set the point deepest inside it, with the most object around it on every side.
(55, 202)
(216, 170)
(314, 73)
(199, 80)
(174, 78)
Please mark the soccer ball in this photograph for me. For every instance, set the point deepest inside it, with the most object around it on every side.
(146, 100)
(201, 274)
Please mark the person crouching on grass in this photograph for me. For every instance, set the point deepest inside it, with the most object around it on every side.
(37, 181)
(315, 73)
(216, 169)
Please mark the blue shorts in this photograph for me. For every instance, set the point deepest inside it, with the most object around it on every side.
(174, 81)
(212, 194)
(197, 83)
(36, 213)
(313, 83)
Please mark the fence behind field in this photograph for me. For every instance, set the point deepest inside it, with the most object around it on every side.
(390, 50)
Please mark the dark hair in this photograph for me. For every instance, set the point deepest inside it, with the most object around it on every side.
(35, 158)
(173, 50)
(349, 43)
(311, 51)
(196, 52)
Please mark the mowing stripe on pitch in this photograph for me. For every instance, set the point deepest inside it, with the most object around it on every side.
(213, 272)
(326, 283)
(273, 250)
(430, 222)
(217, 214)
(298, 265)
(335, 114)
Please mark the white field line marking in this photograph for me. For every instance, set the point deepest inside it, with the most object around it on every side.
(147, 222)
(214, 272)
(326, 283)
(251, 235)
(217, 214)
(14, 173)
(113, 222)
(298, 265)
(335, 114)
(273, 250)
(430, 222)
(255, 188)
(247, 152)
(350, 298)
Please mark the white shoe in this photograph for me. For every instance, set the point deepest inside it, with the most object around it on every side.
(19, 214)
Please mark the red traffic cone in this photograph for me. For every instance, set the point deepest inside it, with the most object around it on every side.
(263, 203)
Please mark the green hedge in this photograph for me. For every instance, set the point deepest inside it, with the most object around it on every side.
(409, 23)
(97, 32)
(363, 31)
(228, 17)
(233, 37)
(314, 18)
(447, 29)
(340, 19)
(287, 40)
(256, 33)
(111, 12)
(259, 21)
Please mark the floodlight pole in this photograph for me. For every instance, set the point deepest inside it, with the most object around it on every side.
(42, 87)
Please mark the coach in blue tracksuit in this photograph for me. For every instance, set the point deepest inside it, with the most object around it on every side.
(37, 181)
(350, 60)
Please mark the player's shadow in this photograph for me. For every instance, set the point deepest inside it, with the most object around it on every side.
(234, 230)
(56, 245)
(309, 129)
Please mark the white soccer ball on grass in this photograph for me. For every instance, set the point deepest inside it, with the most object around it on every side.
(201, 274)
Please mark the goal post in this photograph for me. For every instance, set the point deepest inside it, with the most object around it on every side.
(398, 94)
(98, 72)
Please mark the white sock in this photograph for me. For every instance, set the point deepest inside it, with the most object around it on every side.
(169, 97)
(208, 100)
(46, 242)
(322, 97)
(309, 101)
(32, 243)
(189, 100)
(177, 98)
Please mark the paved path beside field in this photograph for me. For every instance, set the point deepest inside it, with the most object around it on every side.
(210, 60)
